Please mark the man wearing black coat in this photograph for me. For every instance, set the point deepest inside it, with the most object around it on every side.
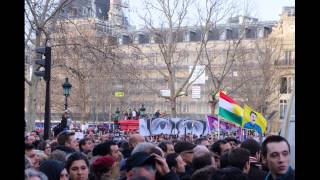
(67, 142)
(256, 172)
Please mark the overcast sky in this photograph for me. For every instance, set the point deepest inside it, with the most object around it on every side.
(264, 10)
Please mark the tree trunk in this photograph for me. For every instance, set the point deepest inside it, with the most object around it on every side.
(32, 103)
(173, 107)
(213, 104)
(33, 90)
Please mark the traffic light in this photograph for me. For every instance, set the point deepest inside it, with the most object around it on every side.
(43, 63)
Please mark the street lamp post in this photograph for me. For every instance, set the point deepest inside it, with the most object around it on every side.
(66, 92)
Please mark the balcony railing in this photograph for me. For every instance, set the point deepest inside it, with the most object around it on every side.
(283, 62)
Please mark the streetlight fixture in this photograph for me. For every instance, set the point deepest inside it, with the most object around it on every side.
(66, 92)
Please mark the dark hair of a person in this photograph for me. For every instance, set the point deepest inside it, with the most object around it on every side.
(83, 142)
(155, 150)
(75, 157)
(63, 137)
(171, 160)
(224, 162)
(163, 145)
(272, 139)
(203, 174)
(229, 139)
(229, 173)
(53, 146)
(252, 112)
(36, 143)
(238, 157)
(42, 145)
(215, 147)
(252, 145)
(201, 161)
(103, 149)
(199, 140)
(28, 147)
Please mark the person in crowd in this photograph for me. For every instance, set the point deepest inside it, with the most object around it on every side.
(147, 147)
(54, 170)
(35, 134)
(77, 166)
(202, 141)
(58, 155)
(53, 144)
(107, 148)
(45, 147)
(86, 145)
(32, 174)
(185, 149)
(218, 148)
(256, 171)
(167, 147)
(144, 164)
(239, 158)
(200, 149)
(229, 173)
(142, 111)
(204, 173)
(157, 114)
(276, 152)
(224, 161)
(102, 167)
(135, 139)
(176, 164)
(30, 139)
(130, 115)
(31, 154)
(27, 162)
(41, 155)
(201, 160)
(134, 114)
(124, 148)
(232, 141)
(67, 142)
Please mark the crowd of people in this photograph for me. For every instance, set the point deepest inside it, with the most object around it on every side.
(162, 157)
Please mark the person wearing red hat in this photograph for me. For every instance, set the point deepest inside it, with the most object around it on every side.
(102, 167)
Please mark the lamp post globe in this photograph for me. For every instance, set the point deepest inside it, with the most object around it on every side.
(66, 92)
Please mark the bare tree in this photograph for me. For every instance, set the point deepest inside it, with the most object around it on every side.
(174, 19)
(261, 88)
(38, 15)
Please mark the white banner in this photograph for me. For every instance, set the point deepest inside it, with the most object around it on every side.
(179, 126)
(165, 92)
(196, 92)
(198, 74)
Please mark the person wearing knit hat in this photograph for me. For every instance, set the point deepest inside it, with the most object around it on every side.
(185, 149)
(54, 170)
(102, 166)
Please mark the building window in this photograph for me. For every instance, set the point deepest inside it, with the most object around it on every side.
(185, 108)
(283, 85)
(228, 34)
(286, 85)
(283, 108)
(287, 57)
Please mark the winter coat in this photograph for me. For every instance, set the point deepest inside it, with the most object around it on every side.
(289, 175)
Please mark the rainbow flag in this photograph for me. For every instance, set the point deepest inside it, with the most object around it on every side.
(229, 109)
(253, 120)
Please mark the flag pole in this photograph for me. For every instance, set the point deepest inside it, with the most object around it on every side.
(218, 128)
(241, 133)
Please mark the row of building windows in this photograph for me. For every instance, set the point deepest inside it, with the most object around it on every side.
(196, 35)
